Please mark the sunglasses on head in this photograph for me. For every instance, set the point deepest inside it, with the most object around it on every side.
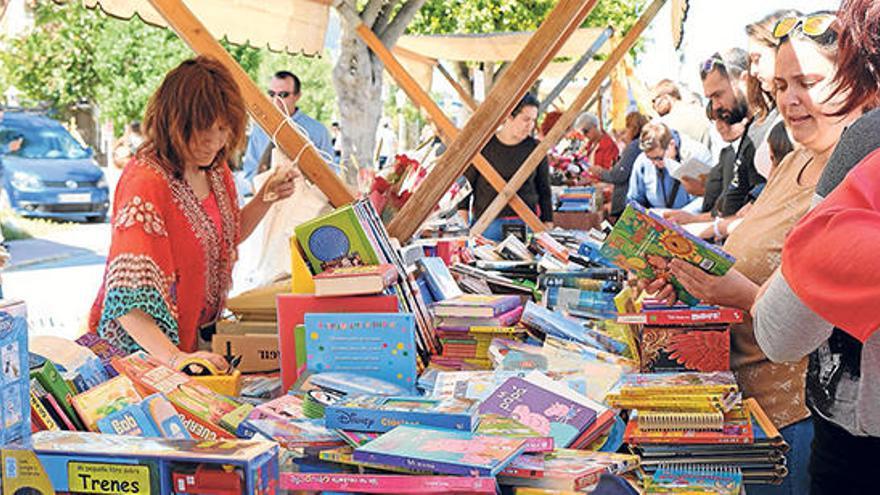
(712, 62)
(280, 94)
(812, 25)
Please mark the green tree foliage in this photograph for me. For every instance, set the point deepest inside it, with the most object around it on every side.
(75, 55)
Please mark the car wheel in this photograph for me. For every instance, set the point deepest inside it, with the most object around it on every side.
(97, 219)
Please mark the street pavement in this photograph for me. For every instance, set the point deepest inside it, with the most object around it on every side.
(58, 277)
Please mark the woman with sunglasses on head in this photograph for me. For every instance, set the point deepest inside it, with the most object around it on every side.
(176, 222)
(822, 303)
(805, 69)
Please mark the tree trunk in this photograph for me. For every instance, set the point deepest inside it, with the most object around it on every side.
(357, 78)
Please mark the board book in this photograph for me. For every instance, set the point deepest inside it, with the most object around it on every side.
(381, 414)
(152, 417)
(337, 239)
(644, 243)
(378, 345)
(355, 280)
(107, 398)
(441, 451)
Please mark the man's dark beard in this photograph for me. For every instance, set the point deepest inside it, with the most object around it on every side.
(737, 114)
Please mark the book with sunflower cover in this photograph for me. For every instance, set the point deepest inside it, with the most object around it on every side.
(645, 244)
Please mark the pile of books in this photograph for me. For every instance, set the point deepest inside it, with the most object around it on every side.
(467, 324)
(577, 199)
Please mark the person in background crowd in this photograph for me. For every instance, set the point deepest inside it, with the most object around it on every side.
(550, 119)
(724, 82)
(822, 302)
(686, 118)
(506, 151)
(386, 142)
(762, 57)
(620, 173)
(805, 68)
(176, 222)
(601, 151)
(128, 144)
(780, 145)
(285, 90)
(651, 184)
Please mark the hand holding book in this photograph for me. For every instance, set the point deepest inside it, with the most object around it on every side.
(733, 289)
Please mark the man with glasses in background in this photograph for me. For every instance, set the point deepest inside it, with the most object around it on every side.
(651, 184)
(285, 91)
(725, 79)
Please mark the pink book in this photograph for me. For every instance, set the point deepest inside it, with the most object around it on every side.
(389, 484)
(284, 408)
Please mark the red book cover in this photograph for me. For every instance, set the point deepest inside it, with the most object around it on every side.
(291, 312)
(697, 316)
(669, 349)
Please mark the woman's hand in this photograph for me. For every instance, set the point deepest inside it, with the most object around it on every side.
(281, 185)
(217, 360)
(731, 289)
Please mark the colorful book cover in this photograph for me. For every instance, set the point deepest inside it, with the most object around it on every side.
(337, 239)
(104, 350)
(737, 428)
(381, 414)
(567, 299)
(683, 316)
(164, 417)
(667, 349)
(378, 345)
(441, 451)
(575, 470)
(128, 421)
(439, 279)
(555, 324)
(40, 417)
(55, 385)
(477, 305)
(645, 244)
(291, 434)
(544, 411)
(285, 408)
(109, 397)
(637, 384)
(387, 483)
(503, 320)
(15, 413)
(493, 424)
(291, 314)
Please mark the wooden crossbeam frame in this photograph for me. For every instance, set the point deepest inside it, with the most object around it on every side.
(567, 118)
(575, 69)
(194, 34)
(466, 97)
(420, 97)
(531, 61)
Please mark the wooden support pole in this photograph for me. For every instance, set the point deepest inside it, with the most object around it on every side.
(194, 33)
(446, 127)
(513, 84)
(575, 69)
(466, 97)
(567, 118)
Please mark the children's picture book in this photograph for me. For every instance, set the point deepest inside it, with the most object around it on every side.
(107, 398)
(49, 378)
(104, 350)
(699, 315)
(477, 306)
(644, 243)
(574, 470)
(354, 384)
(556, 324)
(442, 451)
(736, 428)
(381, 414)
(387, 483)
(337, 239)
(685, 348)
(15, 414)
(291, 314)
(297, 434)
(493, 424)
(285, 408)
(641, 384)
(378, 345)
(355, 280)
(152, 417)
(545, 411)
(439, 279)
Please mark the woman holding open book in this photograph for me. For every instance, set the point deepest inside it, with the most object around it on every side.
(805, 69)
(822, 303)
(176, 222)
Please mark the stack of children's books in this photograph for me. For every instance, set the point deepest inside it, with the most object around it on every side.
(695, 480)
(577, 199)
(466, 325)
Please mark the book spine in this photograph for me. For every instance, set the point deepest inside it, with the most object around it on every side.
(380, 421)
(42, 417)
(420, 464)
(683, 317)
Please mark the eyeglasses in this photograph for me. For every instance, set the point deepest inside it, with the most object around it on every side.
(812, 25)
(656, 159)
(280, 94)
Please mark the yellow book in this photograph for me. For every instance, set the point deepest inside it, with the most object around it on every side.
(302, 282)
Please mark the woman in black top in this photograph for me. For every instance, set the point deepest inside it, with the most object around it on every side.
(506, 151)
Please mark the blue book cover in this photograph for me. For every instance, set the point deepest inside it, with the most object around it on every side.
(129, 421)
(377, 345)
(381, 414)
(441, 451)
(439, 279)
(557, 325)
(15, 413)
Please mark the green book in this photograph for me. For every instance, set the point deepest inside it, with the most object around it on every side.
(644, 244)
(48, 376)
(337, 239)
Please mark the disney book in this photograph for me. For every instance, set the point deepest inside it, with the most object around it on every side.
(644, 243)
(441, 451)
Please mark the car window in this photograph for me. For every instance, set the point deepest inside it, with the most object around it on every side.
(43, 142)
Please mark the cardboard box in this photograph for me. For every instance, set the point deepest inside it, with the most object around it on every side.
(259, 351)
(237, 327)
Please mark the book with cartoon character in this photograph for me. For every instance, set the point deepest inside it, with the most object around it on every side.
(381, 414)
(543, 410)
(441, 451)
(644, 243)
